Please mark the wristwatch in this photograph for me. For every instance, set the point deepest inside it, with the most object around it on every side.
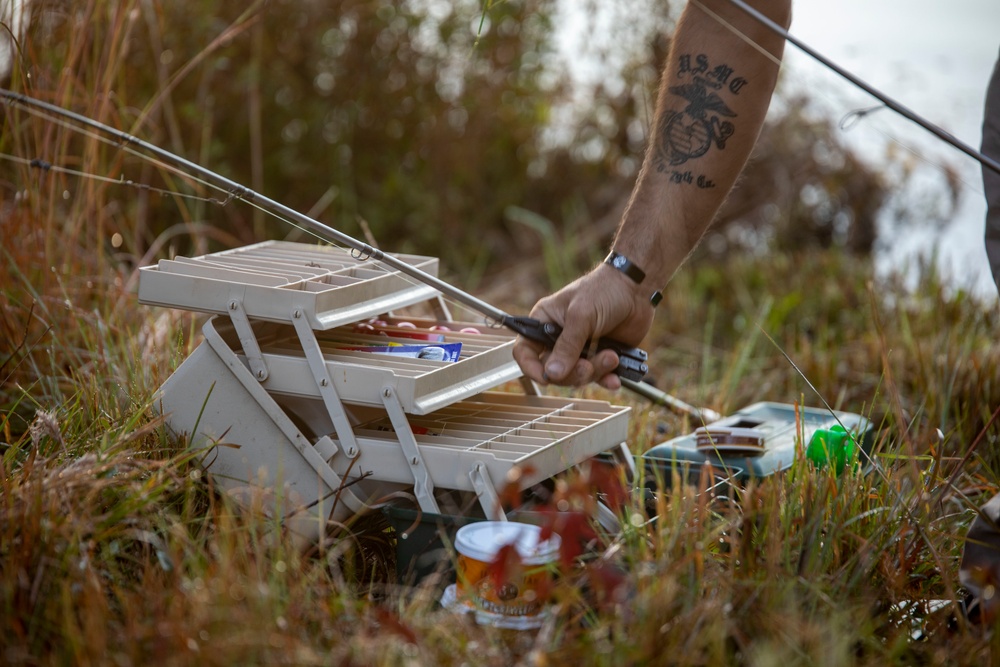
(631, 269)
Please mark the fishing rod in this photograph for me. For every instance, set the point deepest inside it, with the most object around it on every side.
(945, 136)
(660, 397)
(631, 360)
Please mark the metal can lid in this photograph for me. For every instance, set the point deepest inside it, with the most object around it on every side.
(482, 541)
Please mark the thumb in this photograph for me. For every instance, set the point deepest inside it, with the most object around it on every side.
(567, 350)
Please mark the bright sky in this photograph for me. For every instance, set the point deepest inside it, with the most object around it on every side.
(15, 15)
(933, 57)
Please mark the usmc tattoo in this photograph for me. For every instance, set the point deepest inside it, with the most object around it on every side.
(691, 132)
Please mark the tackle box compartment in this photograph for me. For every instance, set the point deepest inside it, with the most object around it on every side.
(273, 279)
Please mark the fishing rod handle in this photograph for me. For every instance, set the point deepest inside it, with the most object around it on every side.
(631, 360)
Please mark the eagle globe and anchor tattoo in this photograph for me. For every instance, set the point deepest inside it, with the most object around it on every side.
(689, 133)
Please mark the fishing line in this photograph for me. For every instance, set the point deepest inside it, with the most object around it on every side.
(897, 494)
(852, 118)
(949, 174)
(47, 167)
(739, 33)
(121, 146)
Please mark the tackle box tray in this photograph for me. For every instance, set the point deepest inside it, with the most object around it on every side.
(421, 385)
(539, 435)
(273, 279)
(333, 458)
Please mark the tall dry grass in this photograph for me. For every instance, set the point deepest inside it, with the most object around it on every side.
(115, 549)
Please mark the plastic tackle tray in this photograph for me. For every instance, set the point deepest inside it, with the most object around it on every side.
(540, 435)
(260, 439)
(421, 385)
(272, 280)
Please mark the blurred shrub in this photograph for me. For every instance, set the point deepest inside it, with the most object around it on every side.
(806, 188)
(423, 119)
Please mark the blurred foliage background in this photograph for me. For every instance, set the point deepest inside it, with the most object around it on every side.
(453, 129)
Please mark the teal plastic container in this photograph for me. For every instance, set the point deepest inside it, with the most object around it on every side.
(781, 426)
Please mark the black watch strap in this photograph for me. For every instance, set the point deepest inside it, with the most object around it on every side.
(626, 266)
(632, 270)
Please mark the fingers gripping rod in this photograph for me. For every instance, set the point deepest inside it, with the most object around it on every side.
(632, 360)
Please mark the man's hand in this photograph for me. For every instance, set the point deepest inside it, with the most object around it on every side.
(602, 303)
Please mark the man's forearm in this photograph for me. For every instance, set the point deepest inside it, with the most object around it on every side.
(714, 94)
(713, 98)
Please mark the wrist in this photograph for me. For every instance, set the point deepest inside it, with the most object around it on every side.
(635, 274)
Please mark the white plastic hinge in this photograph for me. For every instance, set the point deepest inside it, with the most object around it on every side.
(241, 323)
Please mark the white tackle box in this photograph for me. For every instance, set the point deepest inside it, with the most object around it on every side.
(290, 405)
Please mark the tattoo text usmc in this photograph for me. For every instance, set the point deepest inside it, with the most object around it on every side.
(689, 133)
